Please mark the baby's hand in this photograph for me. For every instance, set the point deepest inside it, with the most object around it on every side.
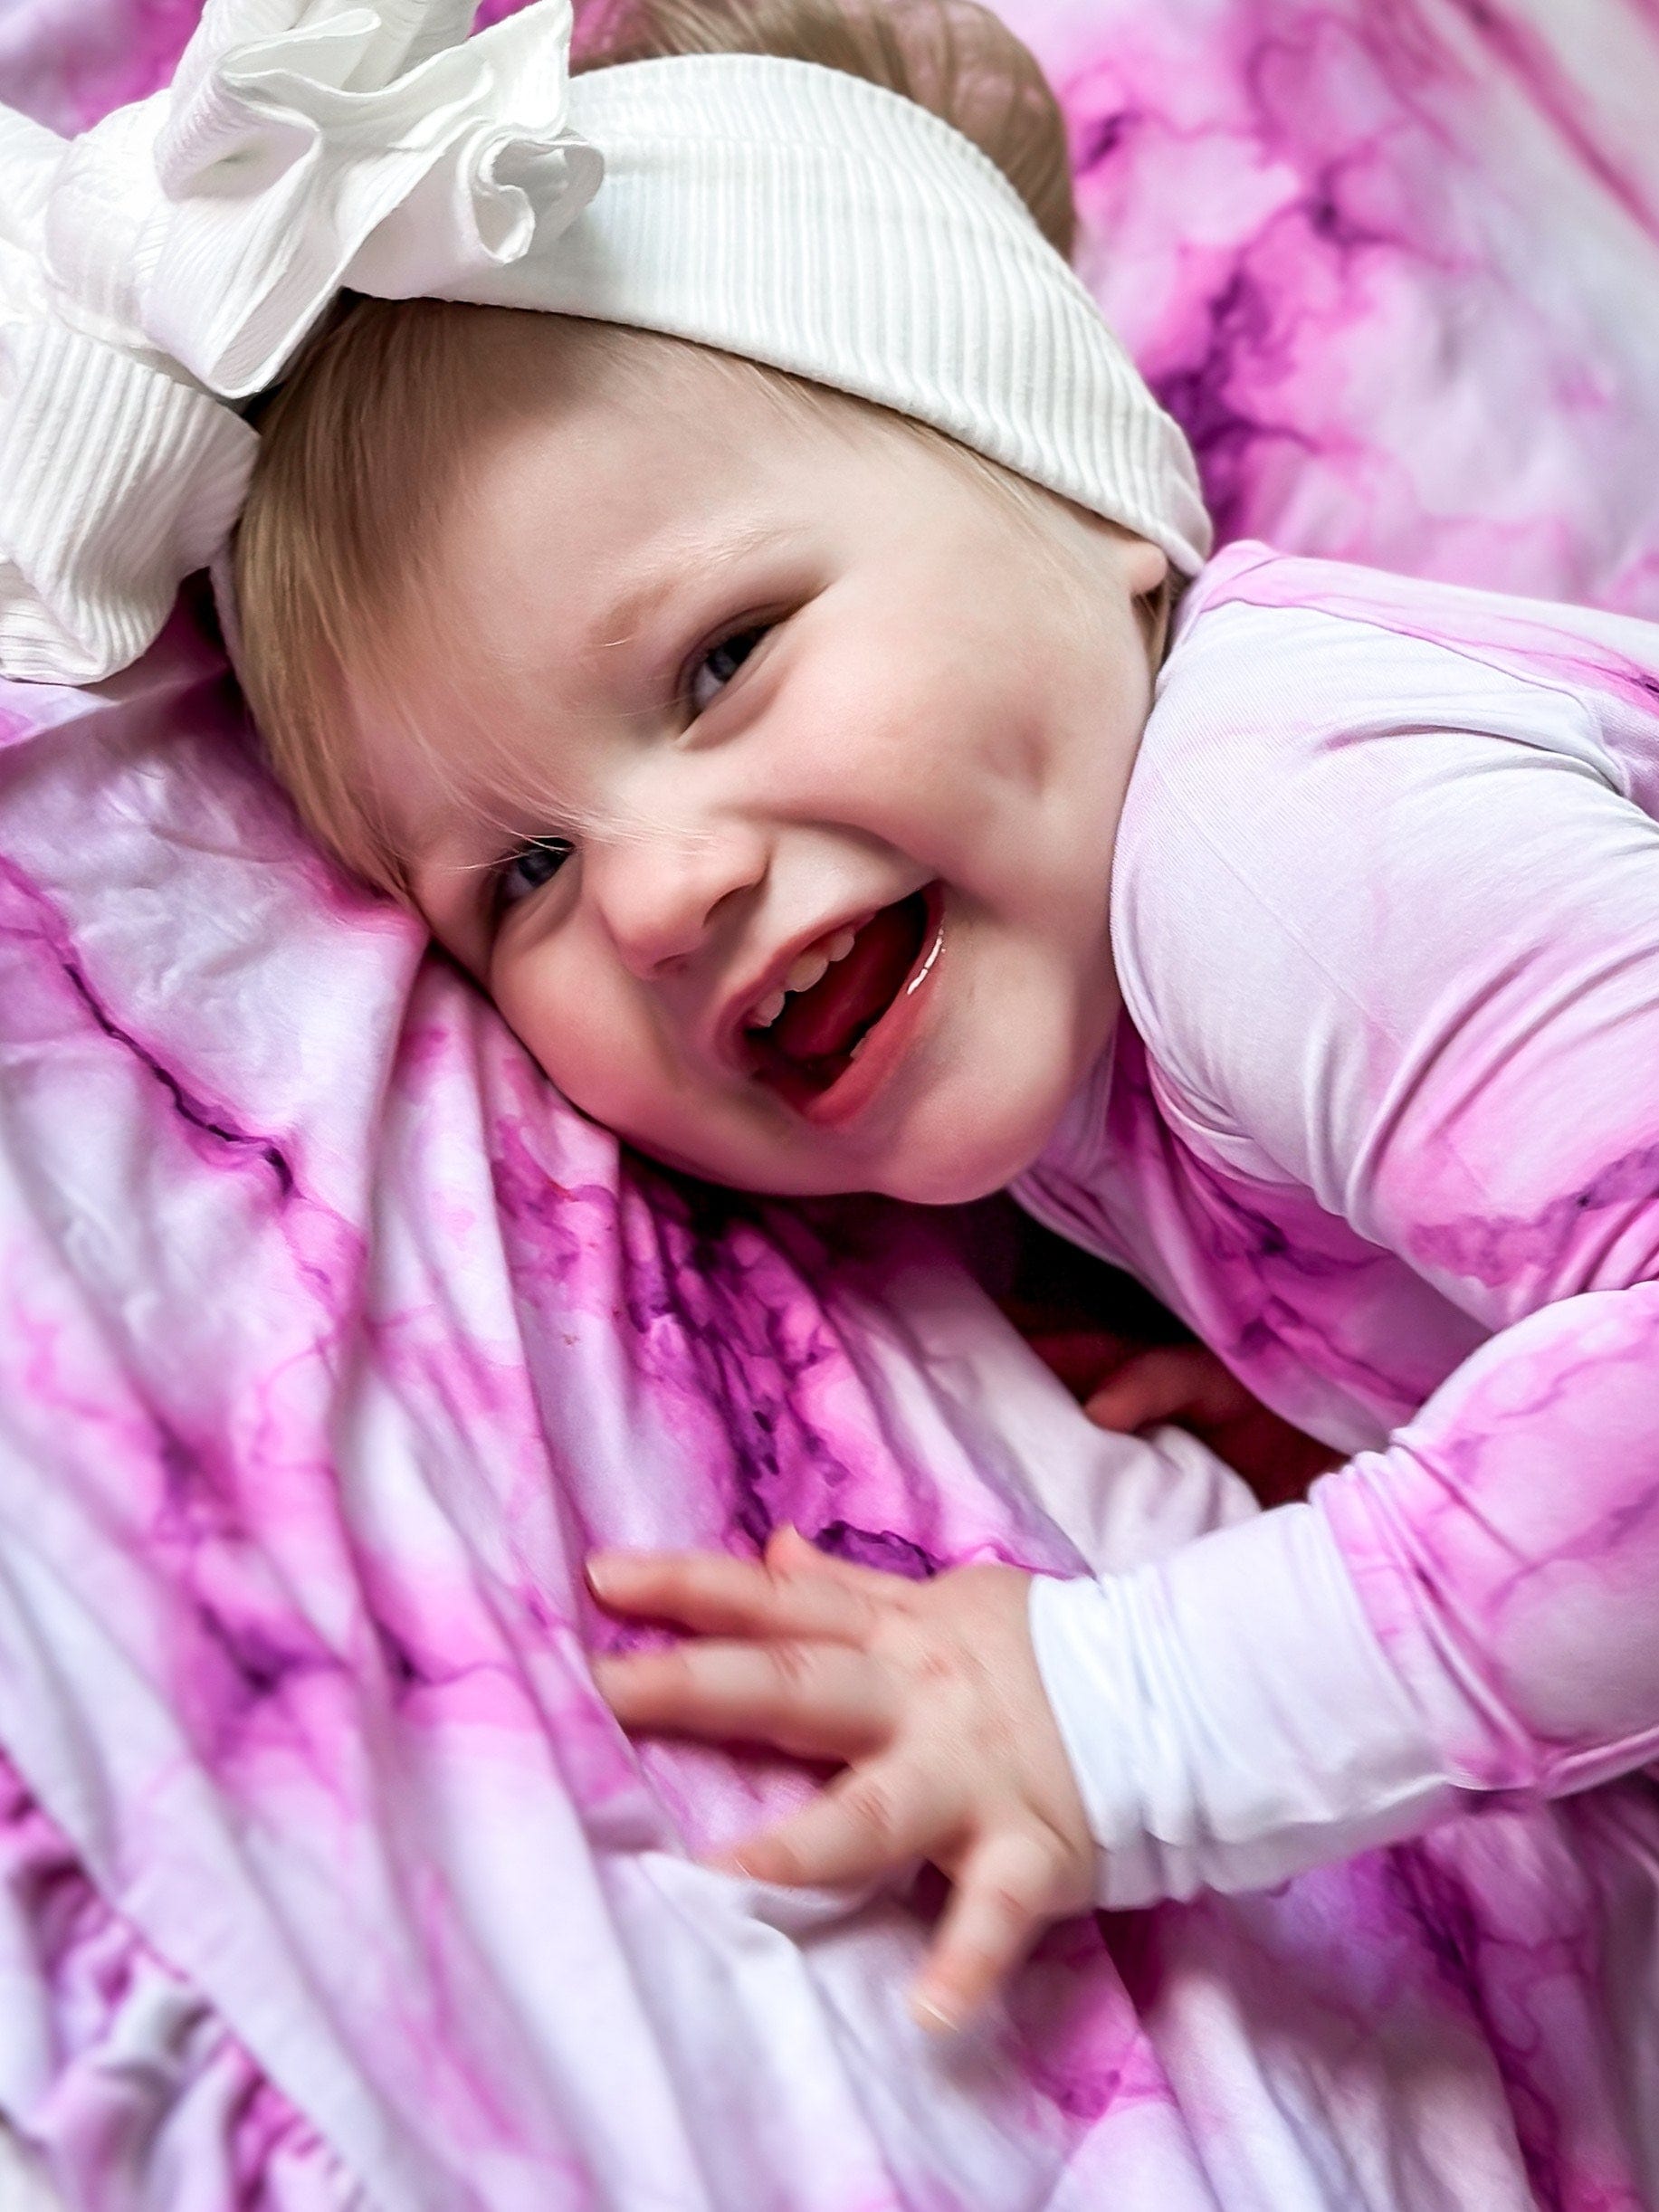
(930, 1693)
(1187, 1384)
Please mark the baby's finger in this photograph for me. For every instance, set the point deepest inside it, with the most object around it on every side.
(816, 1701)
(716, 1594)
(788, 1553)
(1170, 1380)
(865, 1824)
(1003, 1897)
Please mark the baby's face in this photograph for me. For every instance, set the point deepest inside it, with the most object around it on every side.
(798, 760)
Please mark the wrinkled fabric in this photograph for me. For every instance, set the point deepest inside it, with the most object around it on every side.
(332, 1339)
(142, 2092)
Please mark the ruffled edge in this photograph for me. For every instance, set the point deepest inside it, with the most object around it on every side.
(176, 256)
(357, 148)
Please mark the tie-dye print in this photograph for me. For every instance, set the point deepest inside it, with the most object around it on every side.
(331, 1341)
(1382, 1125)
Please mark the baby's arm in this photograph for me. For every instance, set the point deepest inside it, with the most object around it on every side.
(1475, 1609)
(1434, 1001)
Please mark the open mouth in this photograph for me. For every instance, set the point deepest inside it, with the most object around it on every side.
(822, 1033)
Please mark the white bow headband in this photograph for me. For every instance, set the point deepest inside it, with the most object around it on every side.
(174, 258)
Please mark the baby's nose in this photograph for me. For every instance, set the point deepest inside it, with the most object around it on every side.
(661, 896)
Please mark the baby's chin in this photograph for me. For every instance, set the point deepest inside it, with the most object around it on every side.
(971, 1169)
(983, 1124)
(961, 1143)
(811, 1169)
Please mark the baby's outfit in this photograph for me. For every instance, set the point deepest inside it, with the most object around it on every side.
(1380, 1121)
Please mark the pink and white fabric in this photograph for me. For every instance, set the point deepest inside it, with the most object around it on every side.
(331, 1340)
(1382, 1124)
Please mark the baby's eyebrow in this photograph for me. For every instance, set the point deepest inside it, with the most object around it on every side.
(698, 554)
(675, 556)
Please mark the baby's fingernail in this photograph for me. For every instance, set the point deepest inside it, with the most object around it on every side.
(937, 2018)
(607, 1572)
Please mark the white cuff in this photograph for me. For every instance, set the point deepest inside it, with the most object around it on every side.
(1229, 1714)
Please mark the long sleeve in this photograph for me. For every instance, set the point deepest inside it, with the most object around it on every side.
(1475, 1608)
(1426, 990)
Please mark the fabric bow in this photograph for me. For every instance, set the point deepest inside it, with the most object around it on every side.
(174, 258)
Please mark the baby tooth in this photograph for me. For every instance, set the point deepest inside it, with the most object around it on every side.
(767, 1011)
(840, 945)
(807, 970)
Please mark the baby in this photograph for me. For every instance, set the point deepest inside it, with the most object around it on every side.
(831, 804)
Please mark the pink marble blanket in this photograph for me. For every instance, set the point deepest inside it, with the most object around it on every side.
(331, 1340)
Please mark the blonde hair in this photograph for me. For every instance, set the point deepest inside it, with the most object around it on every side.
(362, 444)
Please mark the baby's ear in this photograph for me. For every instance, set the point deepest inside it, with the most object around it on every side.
(1147, 568)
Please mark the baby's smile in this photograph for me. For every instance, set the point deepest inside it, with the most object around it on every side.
(851, 1001)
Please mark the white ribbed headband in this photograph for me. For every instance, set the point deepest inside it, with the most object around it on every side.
(174, 258)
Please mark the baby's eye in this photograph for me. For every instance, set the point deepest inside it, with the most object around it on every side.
(724, 661)
(526, 870)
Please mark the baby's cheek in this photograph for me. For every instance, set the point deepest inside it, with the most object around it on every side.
(569, 1029)
(594, 1037)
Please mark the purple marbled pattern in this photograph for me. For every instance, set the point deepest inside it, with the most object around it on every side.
(1392, 262)
(330, 1341)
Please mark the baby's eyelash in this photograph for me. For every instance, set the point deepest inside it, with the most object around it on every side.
(750, 632)
(549, 854)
